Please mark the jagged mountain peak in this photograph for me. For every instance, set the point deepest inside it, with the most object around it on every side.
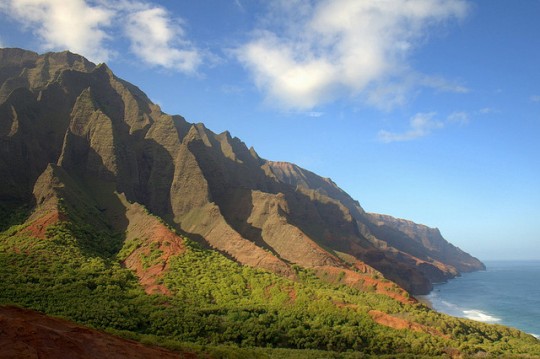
(112, 145)
(21, 68)
(16, 57)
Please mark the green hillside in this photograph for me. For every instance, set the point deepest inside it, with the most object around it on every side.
(221, 308)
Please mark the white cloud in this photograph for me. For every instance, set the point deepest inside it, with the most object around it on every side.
(459, 117)
(486, 110)
(88, 27)
(159, 41)
(239, 5)
(315, 114)
(421, 125)
(232, 89)
(310, 53)
(441, 84)
(65, 25)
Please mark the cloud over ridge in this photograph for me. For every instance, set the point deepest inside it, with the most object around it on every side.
(313, 52)
(85, 27)
(302, 54)
(153, 36)
(74, 25)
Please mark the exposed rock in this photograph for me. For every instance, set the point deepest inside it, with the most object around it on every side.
(428, 242)
(72, 132)
(412, 255)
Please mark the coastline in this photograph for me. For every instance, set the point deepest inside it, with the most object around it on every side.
(506, 293)
(423, 299)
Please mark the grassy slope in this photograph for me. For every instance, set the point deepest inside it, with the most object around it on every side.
(222, 308)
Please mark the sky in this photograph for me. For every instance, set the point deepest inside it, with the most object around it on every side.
(427, 110)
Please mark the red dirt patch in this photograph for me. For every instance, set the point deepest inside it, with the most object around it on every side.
(38, 228)
(345, 305)
(394, 322)
(363, 281)
(28, 334)
(292, 295)
(362, 267)
(154, 234)
(400, 323)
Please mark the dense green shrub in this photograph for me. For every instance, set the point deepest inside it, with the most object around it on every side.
(236, 310)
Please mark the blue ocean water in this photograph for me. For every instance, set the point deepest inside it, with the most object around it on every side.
(507, 293)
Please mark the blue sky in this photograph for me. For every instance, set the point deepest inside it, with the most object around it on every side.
(427, 110)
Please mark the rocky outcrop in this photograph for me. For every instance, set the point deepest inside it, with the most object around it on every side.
(72, 130)
(426, 242)
(410, 254)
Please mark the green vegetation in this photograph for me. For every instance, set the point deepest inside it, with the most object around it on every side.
(224, 309)
(152, 258)
(129, 247)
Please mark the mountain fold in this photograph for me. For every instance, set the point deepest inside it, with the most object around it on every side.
(72, 134)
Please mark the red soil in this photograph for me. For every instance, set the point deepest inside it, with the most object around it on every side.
(28, 334)
(363, 281)
(400, 323)
(169, 243)
(38, 228)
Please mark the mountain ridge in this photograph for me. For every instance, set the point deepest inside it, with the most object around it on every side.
(108, 138)
(116, 215)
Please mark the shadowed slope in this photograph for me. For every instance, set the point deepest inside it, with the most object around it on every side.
(112, 149)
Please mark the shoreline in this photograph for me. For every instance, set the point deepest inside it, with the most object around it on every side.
(423, 299)
(507, 278)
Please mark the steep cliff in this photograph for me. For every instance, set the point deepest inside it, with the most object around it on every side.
(72, 134)
(410, 254)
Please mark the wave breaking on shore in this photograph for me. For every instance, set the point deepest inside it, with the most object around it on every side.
(435, 302)
(480, 316)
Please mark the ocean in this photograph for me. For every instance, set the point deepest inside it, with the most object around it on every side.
(507, 293)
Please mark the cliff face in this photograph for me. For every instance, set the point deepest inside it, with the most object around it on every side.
(410, 254)
(72, 132)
